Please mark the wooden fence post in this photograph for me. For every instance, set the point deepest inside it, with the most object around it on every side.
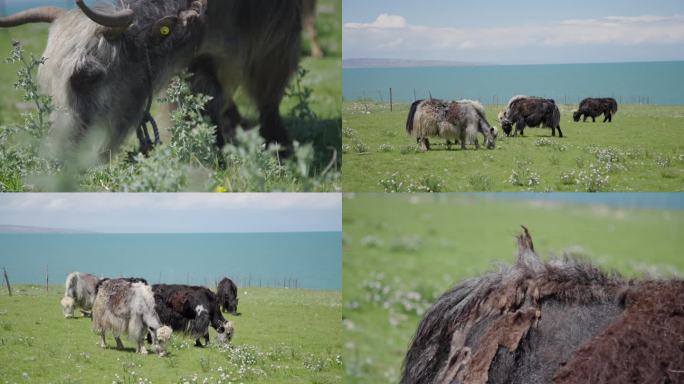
(390, 99)
(9, 288)
(47, 281)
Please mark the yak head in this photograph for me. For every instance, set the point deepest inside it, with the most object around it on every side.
(506, 124)
(67, 306)
(104, 63)
(225, 333)
(163, 336)
(575, 116)
(233, 305)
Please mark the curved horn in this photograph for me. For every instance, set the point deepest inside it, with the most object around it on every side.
(35, 15)
(117, 19)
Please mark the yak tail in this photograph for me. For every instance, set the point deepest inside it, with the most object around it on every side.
(69, 284)
(613, 106)
(412, 113)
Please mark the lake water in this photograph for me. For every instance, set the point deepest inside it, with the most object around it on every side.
(654, 83)
(313, 258)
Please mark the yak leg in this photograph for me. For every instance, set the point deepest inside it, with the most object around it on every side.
(119, 344)
(206, 339)
(266, 82)
(205, 81)
(424, 144)
(553, 131)
(103, 341)
(463, 138)
(519, 126)
(593, 119)
(584, 120)
(560, 133)
(448, 144)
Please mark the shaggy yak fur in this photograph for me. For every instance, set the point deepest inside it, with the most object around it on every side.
(101, 74)
(452, 120)
(563, 321)
(191, 310)
(591, 107)
(527, 111)
(123, 307)
(227, 293)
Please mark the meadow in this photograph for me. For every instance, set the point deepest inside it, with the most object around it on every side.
(281, 336)
(641, 150)
(403, 251)
(187, 160)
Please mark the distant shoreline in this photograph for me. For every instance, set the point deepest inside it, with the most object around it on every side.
(364, 63)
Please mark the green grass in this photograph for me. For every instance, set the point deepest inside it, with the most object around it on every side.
(395, 246)
(643, 144)
(323, 132)
(282, 336)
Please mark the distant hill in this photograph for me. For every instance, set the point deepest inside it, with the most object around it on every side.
(29, 229)
(404, 63)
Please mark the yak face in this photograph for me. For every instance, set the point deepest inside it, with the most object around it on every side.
(506, 124)
(67, 306)
(232, 305)
(490, 140)
(101, 77)
(225, 335)
(576, 116)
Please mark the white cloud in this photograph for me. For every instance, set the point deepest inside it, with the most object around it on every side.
(383, 21)
(392, 33)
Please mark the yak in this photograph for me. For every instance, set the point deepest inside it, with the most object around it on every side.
(125, 307)
(592, 107)
(105, 63)
(562, 321)
(529, 111)
(227, 293)
(79, 290)
(453, 120)
(191, 310)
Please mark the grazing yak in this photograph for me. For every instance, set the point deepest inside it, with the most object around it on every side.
(191, 310)
(79, 290)
(528, 111)
(227, 293)
(562, 321)
(125, 307)
(105, 63)
(592, 107)
(452, 120)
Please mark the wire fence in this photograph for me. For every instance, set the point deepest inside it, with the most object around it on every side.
(403, 96)
(242, 281)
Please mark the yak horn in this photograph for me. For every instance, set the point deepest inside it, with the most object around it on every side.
(35, 15)
(117, 19)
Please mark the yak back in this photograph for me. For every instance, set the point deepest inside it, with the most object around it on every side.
(483, 328)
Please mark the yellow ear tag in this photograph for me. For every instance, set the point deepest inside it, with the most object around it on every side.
(164, 30)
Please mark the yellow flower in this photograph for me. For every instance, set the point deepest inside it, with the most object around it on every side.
(220, 189)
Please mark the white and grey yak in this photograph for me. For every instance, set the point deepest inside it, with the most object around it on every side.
(460, 120)
(79, 291)
(127, 308)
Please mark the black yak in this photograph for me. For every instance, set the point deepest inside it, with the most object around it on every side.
(191, 310)
(592, 107)
(452, 120)
(227, 293)
(123, 307)
(529, 111)
(105, 63)
(79, 291)
(562, 321)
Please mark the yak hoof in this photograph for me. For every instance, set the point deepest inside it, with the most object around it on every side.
(143, 351)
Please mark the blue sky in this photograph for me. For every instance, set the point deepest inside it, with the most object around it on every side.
(175, 213)
(506, 32)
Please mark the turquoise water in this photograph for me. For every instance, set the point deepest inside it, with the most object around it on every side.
(313, 258)
(654, 83)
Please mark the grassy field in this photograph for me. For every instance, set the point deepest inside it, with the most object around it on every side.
(641, 150)
(320, 127)
(282, 336)
(402, 251)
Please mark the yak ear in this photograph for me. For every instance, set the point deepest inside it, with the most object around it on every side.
(163, 28)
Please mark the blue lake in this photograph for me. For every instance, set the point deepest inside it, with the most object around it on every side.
(314, 259)
(629, 83)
